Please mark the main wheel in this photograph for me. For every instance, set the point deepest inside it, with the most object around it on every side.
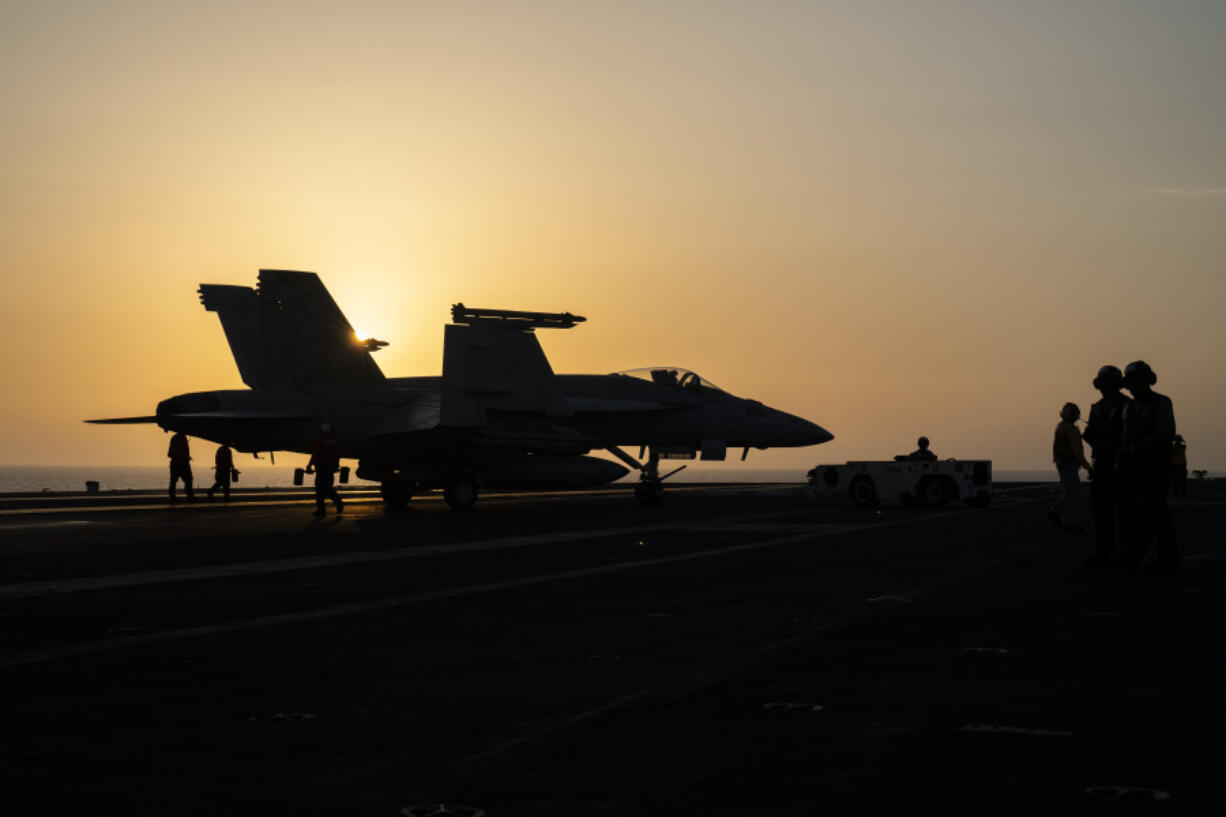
(460, 493)
(934, 492)
(863, 492)
(395, 494)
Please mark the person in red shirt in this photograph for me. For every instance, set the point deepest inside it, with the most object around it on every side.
(180, 465)
(324, 463)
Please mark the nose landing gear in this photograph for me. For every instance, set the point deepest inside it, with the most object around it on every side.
(650, 490)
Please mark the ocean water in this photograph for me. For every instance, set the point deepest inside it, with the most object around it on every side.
(37, 478)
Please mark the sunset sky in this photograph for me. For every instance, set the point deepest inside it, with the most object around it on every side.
(892, 218)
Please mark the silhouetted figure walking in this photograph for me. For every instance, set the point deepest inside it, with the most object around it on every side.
(922, 453)
(1149, 432)
(1179, 467)
(1069, 456)
(1105, 434)
(223, 464)
(325, 461)
(180, 465)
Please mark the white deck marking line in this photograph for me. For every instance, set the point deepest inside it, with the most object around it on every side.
(51, 653)
(23, 590)
(66, 523)
(506, 746)
(253, 501)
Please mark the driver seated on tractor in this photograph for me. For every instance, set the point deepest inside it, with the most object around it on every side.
(921, 454)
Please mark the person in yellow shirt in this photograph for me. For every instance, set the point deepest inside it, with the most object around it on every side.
(1070, 458)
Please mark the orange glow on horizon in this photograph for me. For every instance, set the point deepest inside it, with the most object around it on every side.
(890, 221)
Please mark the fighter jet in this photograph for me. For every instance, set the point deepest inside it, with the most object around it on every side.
(497, 417)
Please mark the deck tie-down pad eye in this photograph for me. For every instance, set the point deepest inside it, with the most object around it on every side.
(441, 810)
(792, 706)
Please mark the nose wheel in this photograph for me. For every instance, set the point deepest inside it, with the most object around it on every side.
(460, 493)
(648, 493)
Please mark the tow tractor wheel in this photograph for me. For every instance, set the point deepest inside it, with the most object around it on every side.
(934, 492)
(395, 494)
(863, 492)
(648, 494)
(460, 493)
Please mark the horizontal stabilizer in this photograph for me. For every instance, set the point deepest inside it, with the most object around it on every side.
(122, 421)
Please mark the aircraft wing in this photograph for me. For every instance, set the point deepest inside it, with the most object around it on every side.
(421, 415)
(122, 421)
(247, 414)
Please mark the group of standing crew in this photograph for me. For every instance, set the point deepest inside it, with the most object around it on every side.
(325, 461)
(181, 468)
(1135, 451)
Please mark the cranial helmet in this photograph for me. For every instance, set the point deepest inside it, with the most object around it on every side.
(922, 442)
(1139, 370)
(1109, 377)
(1070, 412)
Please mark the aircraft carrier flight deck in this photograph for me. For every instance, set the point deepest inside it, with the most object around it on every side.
(735, 650)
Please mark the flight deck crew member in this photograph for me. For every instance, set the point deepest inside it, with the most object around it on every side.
(1069, 456)
(223, 464)
(1105, 434)
(922, 453)
(325, 460)
(180, 465)
(1149, 433)
(1179, 467)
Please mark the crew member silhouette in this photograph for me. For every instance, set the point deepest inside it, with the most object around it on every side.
(180, 465)
(922, 453)
(1179, 467)
(1105, 434)
(223, 463)
(325, 460)
(1069, 456)
(1149, 433)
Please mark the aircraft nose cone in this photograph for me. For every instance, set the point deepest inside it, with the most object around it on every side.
(812, 433)
(790, 430)
(821, 435)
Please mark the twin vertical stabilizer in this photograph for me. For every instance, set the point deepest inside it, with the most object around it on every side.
(288, 333)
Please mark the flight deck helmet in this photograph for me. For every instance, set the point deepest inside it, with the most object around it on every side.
(1070, 412)
(1108, 377)
(1139, 372)
(922, 442)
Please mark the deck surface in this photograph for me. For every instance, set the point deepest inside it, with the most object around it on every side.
(738, 650)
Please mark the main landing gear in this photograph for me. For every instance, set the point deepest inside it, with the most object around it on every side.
(460, 492)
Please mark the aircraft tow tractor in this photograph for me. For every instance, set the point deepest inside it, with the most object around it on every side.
(909, 482)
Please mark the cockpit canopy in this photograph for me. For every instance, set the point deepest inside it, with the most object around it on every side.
(671, 376)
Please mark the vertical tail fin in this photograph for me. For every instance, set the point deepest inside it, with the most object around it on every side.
(290, 334)
(492, 361)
